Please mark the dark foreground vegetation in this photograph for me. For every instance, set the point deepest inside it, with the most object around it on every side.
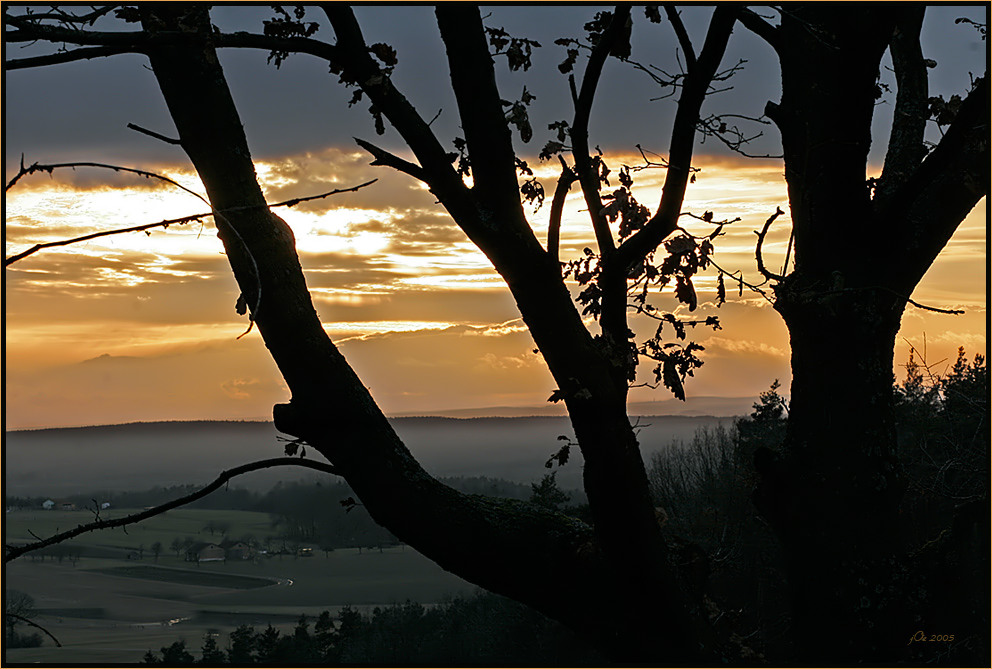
(726, 555)
(836, 491)
(481, 630)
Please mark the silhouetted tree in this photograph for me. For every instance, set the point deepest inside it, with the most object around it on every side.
(547, 494)
(210, 654)
(832, 491)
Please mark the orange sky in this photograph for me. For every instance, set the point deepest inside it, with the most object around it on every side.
(143, 327)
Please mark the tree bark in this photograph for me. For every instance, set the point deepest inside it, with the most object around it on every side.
(833, 492)
(612, 585)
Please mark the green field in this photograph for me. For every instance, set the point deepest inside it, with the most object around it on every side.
(178, 523)
(188, 576)
(111, 610)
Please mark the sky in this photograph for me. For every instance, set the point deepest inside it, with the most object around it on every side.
(143, 327)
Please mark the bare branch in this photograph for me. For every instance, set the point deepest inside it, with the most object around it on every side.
(383, 157)
(953, 312)
(105, 233)
(757, 249)
(84, 53)
(480, 107)
(673, 16)
(65, 17)
(738, 277)
(906, 148)
(152, 133)
(175, 221)
(38, 167)
(694, 91)
(32, 623)
(14, 552)
(579, 131)
(565, 181)
(760, 27)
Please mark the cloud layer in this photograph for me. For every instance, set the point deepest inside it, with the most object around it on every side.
(143, 327)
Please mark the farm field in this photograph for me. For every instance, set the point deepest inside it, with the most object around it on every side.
(112, 610)
(181, 523)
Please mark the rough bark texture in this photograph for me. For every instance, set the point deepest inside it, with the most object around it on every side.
(833, 492)
(614, 584)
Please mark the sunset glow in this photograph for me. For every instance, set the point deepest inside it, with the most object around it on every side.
(102, 328)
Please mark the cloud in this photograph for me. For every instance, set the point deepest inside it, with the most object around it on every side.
(723, 345)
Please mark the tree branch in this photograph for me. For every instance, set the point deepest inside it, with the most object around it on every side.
(579, 131)
(352, 55)
(32, 623)
(924, 213)
(85, 53)
(38, 167)
(383, 157)
(673, 17)
(480, 108)
(760, 27)
(757, 249)
(14, 552)
(175, 221)
(152, 133)
(906, 149)
(694, 89)
(565, 181)
(10, 260)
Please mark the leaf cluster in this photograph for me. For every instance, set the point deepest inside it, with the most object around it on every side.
(518, 50)
(286, 26)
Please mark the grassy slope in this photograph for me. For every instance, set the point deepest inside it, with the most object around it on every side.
(101, 616)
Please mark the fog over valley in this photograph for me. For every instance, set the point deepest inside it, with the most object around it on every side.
(136, 456)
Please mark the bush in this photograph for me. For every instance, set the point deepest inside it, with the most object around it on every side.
(15, 640)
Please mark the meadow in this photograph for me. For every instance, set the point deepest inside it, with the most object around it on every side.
(113, 609)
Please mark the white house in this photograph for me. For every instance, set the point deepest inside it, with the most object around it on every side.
(48, 505)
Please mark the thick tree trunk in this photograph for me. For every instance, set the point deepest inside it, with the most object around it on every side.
(612, 585)
(833, 493)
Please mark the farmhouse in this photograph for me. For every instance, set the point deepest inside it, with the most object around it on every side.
(205, 552)
(48, 505)
(237, 550)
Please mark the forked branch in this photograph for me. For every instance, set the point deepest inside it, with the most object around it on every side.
(14, 552)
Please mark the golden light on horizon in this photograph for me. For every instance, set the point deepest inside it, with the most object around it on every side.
(411, 300)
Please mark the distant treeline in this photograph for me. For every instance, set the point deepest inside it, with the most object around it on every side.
(323, 513)
(484, 630)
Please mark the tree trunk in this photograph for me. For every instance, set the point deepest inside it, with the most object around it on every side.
(833, 493)
(613, 586)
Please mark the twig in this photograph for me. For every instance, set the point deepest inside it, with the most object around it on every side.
(152, 133)
(741, 282)
(14, 552)
(383, 157)
(66, 242)
(33, 624)
(37, 167)
(916, 304)
(757, 249)
(177, 221)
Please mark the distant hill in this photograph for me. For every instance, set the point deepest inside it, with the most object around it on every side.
(693, 406)
(136, 456)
